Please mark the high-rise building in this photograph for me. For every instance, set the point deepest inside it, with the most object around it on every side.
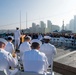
(63, 25)
(75, 24)
(49, 26)
(52, 27)
(43, 26)
(72, 25)
(67, 27)
(55, 28)
(33, 27)
(38, 29)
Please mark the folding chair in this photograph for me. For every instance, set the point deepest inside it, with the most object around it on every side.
(52, 73)
(31, 73)
(3, 73)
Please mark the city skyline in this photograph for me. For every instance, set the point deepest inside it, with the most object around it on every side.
(37, 10)
(37, 28)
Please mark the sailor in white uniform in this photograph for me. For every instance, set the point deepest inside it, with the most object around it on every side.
(25, 46)
(6, 59)
(10, 47)
(48, 49)
(40, 37)
(34, 60)
(17, 35)
(36, 40)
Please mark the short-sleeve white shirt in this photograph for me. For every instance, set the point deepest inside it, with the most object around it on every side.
(25, 46)
(9, 47)
(35, 61)
(6, 60)
(49, 51)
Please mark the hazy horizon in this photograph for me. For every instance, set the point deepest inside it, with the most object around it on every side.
(37, 10)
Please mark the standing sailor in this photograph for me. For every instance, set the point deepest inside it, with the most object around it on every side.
(48, 49)
(17, 38)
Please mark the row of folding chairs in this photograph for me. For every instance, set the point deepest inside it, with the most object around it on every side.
(26, 73)
(19, 72)
(65, 42)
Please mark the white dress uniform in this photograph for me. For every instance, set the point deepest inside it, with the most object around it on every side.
(40, 37)
(62, 39)
(49, 51)
(34, 61)
(9, 47)
(25, 46)
(6, 60)
(17, 37)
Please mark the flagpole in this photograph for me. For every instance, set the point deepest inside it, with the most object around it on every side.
(20, 20)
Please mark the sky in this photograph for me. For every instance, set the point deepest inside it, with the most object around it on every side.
(37, 10)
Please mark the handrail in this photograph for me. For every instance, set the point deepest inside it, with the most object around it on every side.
(64, 69)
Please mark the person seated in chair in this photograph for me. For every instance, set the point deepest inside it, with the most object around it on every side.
(34, 60)
(6, 59)
(10, 47)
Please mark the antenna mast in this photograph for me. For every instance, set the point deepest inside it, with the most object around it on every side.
(26, 20)
(20, 20)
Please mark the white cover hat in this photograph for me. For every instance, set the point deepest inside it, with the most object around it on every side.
(11, 37)
(36, 40)
(47, 37)
(29, 37)
(3, 40)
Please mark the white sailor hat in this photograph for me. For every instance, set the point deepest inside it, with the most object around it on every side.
(3, 40)
(11, 37)
(47, 37)
(29, 37)
(36, 40)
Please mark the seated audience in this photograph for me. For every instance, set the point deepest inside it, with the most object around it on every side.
(34, 60)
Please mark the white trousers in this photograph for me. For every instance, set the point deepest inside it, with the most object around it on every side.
(17, 43)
